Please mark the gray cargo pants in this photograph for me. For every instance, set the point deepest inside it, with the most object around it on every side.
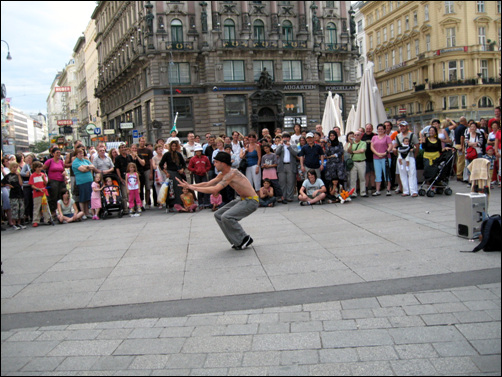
(228, 218)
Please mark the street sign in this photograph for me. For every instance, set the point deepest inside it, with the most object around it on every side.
(65, 122)
(135, 133)
(90, 128)
(62, 89)
(97, 131)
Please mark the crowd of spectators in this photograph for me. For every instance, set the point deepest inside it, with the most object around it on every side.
(307, 166)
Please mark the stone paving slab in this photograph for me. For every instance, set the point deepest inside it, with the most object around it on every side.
(277, 340)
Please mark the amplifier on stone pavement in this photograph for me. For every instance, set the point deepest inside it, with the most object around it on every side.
(470, 211)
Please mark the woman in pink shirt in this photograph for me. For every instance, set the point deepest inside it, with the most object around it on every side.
(381, 146)
(57, 178)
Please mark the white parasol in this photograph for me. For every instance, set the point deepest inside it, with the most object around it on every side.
(329, 116)
(351, 125)
(370, 107)
(338, 114)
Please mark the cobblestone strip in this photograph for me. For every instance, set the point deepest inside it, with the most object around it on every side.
(445, 332)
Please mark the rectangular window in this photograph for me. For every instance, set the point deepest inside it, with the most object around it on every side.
(408, 51)
(482, 35)
(371, 42)
(380, 63)
(294, 104)
(461, 69)
(444, 103)
(399, 27)
(258, 66)
(391, 31)
(233, 70)
(448, 7)
(402, 83)
(407, 23)
(393, 57)
(292, 70)
(394, 86)
(410, 81)
(453, 102)
(386, 60)
(385, 34)
(333, 72)
(379, 41)
(452, 70)
(450, 37)
(180, 73)
(484, 69)
(428, 42)
(415, 18)
(417, 47)
(235, 106)
(400, 54)
(183, 106)
(464, 101)
(360, 26)
(426, 12)
(481, 6)
(387, 88)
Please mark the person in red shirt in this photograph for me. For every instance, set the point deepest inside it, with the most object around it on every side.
(497, 117)
(199, 165)
(38, 182)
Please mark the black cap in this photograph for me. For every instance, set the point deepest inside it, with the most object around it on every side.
(224, 157)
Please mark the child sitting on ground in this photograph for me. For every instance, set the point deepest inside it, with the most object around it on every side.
(188, 202)
(216, 201)
(266, 194)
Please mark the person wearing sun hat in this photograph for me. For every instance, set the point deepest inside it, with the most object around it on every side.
(228, 216)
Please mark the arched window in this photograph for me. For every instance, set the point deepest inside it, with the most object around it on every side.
(176, 31)
(287, 31)
(331, 37)
(485, 102)
(229, 30)
(258, 31)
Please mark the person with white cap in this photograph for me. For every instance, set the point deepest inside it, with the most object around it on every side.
(199, 165)
(228, 217)
(311, 156)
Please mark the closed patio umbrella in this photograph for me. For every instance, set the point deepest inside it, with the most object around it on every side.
(370, 107)
(350, 124)
(338, 114)
(329, 116)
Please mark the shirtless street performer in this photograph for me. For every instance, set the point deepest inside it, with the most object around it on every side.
(228, 216)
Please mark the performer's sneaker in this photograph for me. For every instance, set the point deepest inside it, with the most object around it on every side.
(245, 243)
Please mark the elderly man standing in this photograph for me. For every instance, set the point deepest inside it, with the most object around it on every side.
(102, 162)
(407, 173)
(286, 168)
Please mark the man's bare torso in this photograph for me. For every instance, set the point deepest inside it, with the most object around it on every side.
(238, 181)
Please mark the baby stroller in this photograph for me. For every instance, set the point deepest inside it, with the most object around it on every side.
(111, 198)
(437, 175)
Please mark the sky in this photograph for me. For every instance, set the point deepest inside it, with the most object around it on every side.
(41, 37)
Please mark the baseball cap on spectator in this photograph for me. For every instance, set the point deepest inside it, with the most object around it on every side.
(310, 134)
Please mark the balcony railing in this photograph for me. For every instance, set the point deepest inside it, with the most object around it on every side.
(179, 46)
(446, 84)
(336, 47)
(245, 43)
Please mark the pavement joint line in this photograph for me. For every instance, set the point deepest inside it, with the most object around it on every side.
(184, 307)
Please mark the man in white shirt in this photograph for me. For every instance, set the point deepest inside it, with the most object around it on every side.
(287, 167)
(190, 149)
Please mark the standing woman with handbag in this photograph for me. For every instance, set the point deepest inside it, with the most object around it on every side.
(252, 153)
(432, 146)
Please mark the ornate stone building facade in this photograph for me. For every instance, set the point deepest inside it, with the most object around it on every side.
(208, 57)
(435, 59)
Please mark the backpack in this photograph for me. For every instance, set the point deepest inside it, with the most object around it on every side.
(490, 235)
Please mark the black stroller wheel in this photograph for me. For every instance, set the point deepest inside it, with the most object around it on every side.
(430, 193)
(448, 191)
(421, 192)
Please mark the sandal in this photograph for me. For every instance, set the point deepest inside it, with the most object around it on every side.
(414, 195)
(405, 194)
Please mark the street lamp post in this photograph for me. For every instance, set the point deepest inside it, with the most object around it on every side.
(3, 95)
(8, 51)
(171, 64)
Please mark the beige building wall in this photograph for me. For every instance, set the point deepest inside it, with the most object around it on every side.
(435, 59)
(91, 72)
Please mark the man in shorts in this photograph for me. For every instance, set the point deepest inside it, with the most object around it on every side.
(228, 216)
